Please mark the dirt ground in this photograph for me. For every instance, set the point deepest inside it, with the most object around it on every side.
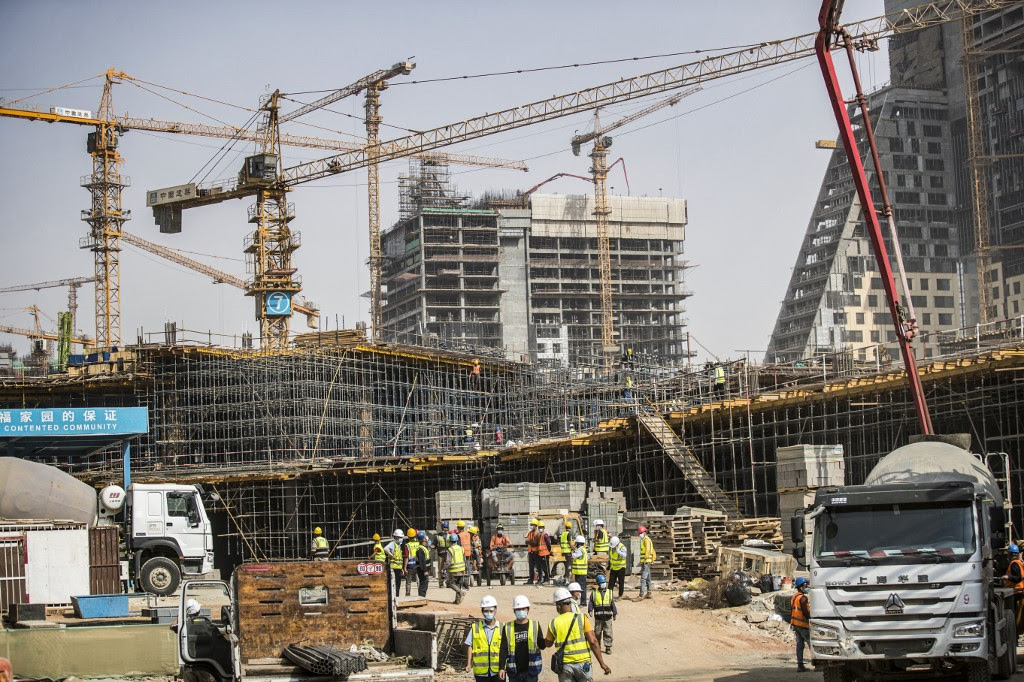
(656, 641)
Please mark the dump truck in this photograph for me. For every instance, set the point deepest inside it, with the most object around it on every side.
(163, 527)
(902, 569)
(296, 621)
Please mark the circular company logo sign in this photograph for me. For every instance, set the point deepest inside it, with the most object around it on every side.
(278, 303)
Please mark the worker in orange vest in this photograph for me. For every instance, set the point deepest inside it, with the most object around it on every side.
(543, 553)
(800, 620)
(1015, 578)
(533, 547)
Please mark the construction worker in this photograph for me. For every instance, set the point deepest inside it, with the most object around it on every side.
(321, 549)
(499, 539)
(800, 621)
(532, 549)
(580, 565)
(456, 571)
(647, 557)
(377, 553)
(617, 554)
(1015, 578)
(521, 643)
(409, 550)
(628, 393)
(604, 611)
(476, 546)
(483, 643)
(442, 554)
(544, 553)
(396, 559)
(719, 379)
(469, 435)
(565, 544)
(573, 634)
(418, 552)
(577, 593)
(474, 374)
(466, 542)
(600, 538)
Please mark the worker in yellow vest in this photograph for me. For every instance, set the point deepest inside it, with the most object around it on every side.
(600, 538)
(572, 636)
(604, 611)
(396, 558)
(456, 568)
(580, 566)
(565, 544)
(521, 643)
(377, 553)
(321, 549)
(617, 554)
(409, 550)
(483, 643)
(647, 557)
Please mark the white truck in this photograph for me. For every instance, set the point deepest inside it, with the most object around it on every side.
(902, 570)
(164, 529)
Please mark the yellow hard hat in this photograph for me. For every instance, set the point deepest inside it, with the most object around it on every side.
(461, 524)
(533, 522)
(541, 524)
(317, 531)
(376, 536)
(568, 523)
(411, 532)
(474, 529)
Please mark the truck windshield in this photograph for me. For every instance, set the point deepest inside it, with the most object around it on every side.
(894, 533)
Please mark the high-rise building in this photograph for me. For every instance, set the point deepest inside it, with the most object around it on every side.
(522, 275)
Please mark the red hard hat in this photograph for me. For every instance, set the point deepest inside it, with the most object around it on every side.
(641, 529)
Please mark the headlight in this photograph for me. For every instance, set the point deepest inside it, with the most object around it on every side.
(975, 629)
(819, 631)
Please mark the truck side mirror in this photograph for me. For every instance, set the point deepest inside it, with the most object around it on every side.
(796, 528)
(799, 552)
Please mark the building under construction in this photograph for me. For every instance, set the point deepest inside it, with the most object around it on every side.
(357, 437)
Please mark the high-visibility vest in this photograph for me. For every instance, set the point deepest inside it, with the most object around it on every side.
(531, 542)
(569, 627)
(617, 559)
(602, 603)
(397, 560)
(719, 375)
(412, 546)
(647, 554)
(466, 542)
(1019, 586)
(544, 548)
(797, 618)
(566, 543)
(457, 562)
(320, 542)
(579, 564)
(600, 540)
(486, 655)
(535, 663)
(378, 552)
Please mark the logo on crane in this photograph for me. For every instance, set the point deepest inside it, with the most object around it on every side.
(279, 304)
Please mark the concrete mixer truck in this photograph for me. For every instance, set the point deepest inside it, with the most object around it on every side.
(163, 528)
(902, 569)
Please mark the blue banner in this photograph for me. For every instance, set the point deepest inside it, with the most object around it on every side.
(74, 421)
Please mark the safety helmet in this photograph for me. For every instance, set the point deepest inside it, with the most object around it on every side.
(521, 602)
(398, 535)
(474, 530)
(614, 542)
(561, 595)
(599, 522)
(317, 531)
(411, 532)
(461, 524)
(641, 529)
(1013, 549)
(580, 540)
(601, 580)
(454, 537)
(575, 587)
(499, 527)
(800, 582)
(192, 607)
(534, 522)
(421, 535)
(568, 523)
(444, 524)
(488, 602)
(376, 536)
(540, 524)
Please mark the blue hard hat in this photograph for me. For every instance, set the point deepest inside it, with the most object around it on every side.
(422, 535)
(800, 582)
(444, 524)
(1013, 549)
(454, 537)
(601, 580)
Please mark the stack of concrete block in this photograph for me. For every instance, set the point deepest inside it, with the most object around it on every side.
(800, 471)
(607, 511)
(570, 495)
(454, 505)
(518, 498)
(601, 493)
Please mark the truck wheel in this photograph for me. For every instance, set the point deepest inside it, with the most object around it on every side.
(839, 672)
(160, 576)
(978, 672)
(1006, 666)
(501, 578)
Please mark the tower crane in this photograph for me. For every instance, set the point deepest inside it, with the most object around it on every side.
(71, 283)
(105, 184)
(39, 334)
(665, 80)
(602, 209)
(306, 308)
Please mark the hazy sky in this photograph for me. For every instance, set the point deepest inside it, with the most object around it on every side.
(740, 152)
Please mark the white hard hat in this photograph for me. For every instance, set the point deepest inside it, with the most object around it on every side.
(488, 602)
(521, 602)
(599, 522)
(192, 607)
(398, 534)
(614, 542)
(575, 587)
(562, 594)
(581, 540)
